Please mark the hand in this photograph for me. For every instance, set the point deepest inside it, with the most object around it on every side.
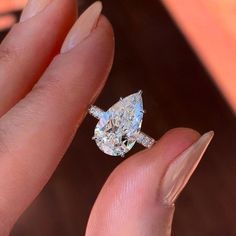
(49, 77)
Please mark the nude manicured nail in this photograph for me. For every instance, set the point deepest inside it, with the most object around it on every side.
(34, 7)
(83, 27)
(182, 168)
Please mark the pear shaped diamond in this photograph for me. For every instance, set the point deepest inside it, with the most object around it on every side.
(118, 128)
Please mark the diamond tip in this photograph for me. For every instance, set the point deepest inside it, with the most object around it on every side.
(140, 92)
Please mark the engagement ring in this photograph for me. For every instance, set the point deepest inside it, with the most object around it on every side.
(119, 128)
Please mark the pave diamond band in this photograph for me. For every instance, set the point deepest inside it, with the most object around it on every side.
(141, 137)
(119, 128)
(145, 140)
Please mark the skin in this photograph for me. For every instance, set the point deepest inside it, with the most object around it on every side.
(210, 28)
(42, 95)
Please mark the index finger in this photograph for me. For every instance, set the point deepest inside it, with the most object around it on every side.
(30, 46)
(35, 134)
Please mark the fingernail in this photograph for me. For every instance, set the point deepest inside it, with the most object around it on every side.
(182, 168)
(83, 27)
(33, 7)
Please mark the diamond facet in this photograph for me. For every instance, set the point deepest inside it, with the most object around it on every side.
(118, 128)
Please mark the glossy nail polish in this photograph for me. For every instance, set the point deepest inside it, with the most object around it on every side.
(182, 168)
(34, 7)
(83, 27)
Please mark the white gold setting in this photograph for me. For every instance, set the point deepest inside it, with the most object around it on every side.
(119, 128)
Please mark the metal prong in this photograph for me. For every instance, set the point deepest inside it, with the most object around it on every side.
(122, 155)
(144, 111)
(140, 92)
(121, 99)
(93, 138)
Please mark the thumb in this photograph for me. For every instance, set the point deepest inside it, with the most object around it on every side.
(138, 198)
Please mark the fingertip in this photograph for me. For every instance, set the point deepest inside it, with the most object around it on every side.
(167, 148)
(178, 139)
(104, 33)
(170, 145)
(106, 25)
(96, 52)
(183, 133)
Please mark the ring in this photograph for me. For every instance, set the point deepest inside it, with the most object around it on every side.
(119, 128)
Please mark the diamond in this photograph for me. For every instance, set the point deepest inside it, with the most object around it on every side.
(118, 128)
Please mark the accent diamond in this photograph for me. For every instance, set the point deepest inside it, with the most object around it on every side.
(118, 128)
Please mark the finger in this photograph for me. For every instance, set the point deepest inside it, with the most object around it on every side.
(210, 27)
(36, 132)
(7, 21)
(138, 197)
(13, 5)
(30, 46)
